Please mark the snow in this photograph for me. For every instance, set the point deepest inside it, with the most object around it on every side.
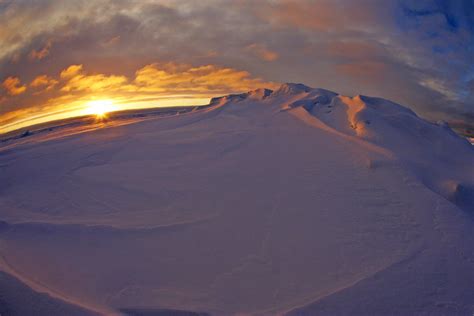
(297, 201)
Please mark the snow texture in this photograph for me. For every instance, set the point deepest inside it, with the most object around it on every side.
(297, 201)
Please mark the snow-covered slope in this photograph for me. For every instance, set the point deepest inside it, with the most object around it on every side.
(296, 201)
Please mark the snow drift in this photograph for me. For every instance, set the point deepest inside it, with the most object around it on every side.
(297, 201)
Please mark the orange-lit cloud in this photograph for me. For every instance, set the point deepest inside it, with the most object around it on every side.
(207, 79)
(13, 86)
(170, 78)
(44, 82)
(163, 78)
(40, 54)
(70, 71)
(262, 52)
(77, 80)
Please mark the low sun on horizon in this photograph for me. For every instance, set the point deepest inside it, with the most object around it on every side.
(100, 108)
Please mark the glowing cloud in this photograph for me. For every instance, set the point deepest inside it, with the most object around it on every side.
(182, 78)
(70, 71)
(45, 82)
(94, 83)
(13, 86)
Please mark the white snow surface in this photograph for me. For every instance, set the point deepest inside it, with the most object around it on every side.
(297, 201)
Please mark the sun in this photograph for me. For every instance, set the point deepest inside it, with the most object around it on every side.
(100, 108)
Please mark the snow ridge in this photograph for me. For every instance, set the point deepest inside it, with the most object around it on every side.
(426, 148)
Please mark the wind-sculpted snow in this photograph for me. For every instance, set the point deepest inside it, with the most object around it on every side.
(297, 200)
(439, 157)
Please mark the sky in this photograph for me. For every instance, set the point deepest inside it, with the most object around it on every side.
(57, 57)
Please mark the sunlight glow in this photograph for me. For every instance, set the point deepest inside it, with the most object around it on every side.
(100, 108)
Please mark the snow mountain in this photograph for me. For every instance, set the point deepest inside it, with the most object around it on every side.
(297, 201)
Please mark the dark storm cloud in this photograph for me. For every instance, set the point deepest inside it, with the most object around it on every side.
(419, 55)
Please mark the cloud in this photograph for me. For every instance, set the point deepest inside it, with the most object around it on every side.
(71, 71)
(40, 54)
(163, 78)
(170, 78)
(154, 78)
(13, 86)
(209, 79)
(441, 87)
(44, 82)
(78, 80)
(262, 52)
(324, 15)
